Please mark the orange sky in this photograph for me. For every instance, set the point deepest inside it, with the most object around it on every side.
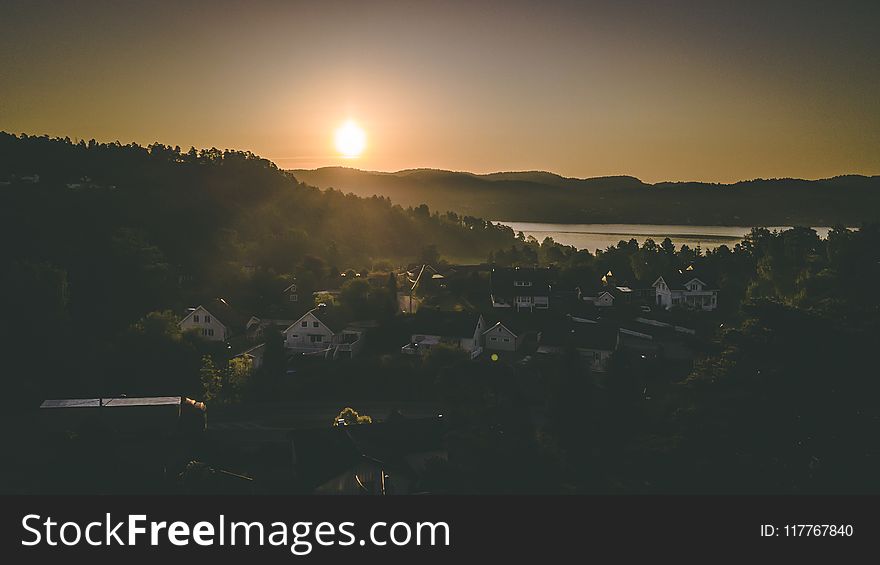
(659, 90)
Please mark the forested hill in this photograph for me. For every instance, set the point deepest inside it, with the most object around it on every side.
(124, 223)
(546, 197)
(207, 206)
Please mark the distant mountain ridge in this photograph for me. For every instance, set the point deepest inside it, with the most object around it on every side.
(540, 196)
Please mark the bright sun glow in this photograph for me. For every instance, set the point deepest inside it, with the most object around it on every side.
(350, 139)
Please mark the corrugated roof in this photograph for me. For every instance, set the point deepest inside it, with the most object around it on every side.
(145, 401)
(118, 401)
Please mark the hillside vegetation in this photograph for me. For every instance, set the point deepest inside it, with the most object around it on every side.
(546, 197)
(96, 236)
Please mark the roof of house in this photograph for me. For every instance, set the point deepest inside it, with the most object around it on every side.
(516, 333)
(334, 317)
(445, 323)
(123, 415)
(534, 322)
(115, 401)
(501, 280)
(637, 284)
(677, 279)
(254, 350)
(220, 309)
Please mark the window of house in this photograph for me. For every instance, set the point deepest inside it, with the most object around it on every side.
(315, 324)
(207, 319)
(506, 340)
(294, 336)
(204, 331)
(305, 324)
(211, 332)
(522, 283)
(196, 318)
(294, 297)
(493, 339)
(316, 338)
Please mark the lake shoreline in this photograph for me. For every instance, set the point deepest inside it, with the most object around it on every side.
(601, 236)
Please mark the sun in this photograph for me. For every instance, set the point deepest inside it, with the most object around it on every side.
(350, 140)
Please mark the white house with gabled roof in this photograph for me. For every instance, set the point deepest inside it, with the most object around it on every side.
(205, 324)
(500, 337)
(323, 331)
(604, 299)
(685, 289)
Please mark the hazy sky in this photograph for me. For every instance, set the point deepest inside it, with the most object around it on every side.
(663, 90)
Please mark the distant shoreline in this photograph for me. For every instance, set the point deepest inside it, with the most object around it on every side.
(592, 237)
(541, 197)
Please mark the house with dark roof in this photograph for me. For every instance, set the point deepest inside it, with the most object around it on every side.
(459, 329)
(602, 298)
(611, 291)
(522, 288)
(661, 340)
(325, 331)
(594, 342)
(290, 293)
(214, 321)
(687, 289)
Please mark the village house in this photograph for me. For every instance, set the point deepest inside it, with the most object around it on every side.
(600, 298)
(215, 322)
(685, 289)
(523, 288)
(459, 329)
(504, 336)
(324, 331)
(291, 293)
(254, 328)
(594, 342)
(258, 329)
(609, 292)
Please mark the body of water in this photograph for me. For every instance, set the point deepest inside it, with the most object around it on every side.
(601, 236)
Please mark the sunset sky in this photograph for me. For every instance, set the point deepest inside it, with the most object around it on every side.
(662, 90)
